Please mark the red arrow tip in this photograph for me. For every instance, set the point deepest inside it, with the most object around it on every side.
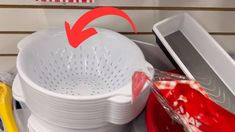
(77, 37)
(69, 34)
(76, 34)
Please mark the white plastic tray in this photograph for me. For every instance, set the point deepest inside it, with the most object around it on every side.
(221, 84)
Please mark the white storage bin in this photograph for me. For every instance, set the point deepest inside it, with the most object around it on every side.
(202, 58)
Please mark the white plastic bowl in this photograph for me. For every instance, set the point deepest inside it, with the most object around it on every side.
(84, 87)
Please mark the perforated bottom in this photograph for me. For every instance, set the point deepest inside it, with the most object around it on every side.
(82, 74)
(80, 87)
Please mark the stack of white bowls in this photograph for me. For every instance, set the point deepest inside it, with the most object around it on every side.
(87, 88)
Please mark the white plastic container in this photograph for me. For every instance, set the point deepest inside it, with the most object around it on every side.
(153, 55)
(81, 103)
(217, 73)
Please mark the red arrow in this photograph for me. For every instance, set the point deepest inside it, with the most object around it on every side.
(76, 35)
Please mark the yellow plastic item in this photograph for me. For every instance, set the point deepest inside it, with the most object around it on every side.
(6, 112)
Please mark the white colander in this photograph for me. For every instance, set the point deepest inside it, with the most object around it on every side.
(82, 87)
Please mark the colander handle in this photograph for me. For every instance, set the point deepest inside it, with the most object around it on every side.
(23, 43)
(17, 90)
(121, 110)
(119, 104)
(27, 40)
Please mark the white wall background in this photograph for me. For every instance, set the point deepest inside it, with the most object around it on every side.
(19, 18)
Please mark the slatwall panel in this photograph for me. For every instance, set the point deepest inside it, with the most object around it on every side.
(139, 3)
(19, 18)
(35, 19)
